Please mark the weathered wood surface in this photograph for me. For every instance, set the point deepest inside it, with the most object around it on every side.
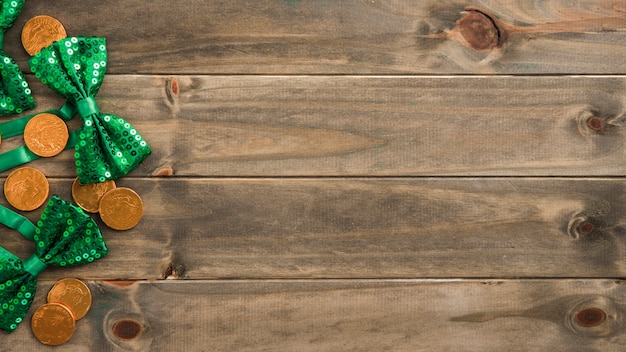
(347, 315)
(340, 178)
(349, 36)
(363, 228)
(366, 126)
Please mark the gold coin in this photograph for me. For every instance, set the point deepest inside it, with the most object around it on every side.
(46, 135)
(53, 324)
(121, 208)
(41, 31)
(72, 293)
(88, 196)
(26, 188)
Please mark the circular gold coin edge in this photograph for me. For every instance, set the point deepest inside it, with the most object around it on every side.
(74, 282)
(6, 182)
(105, 218)
(36, 119)
(32, 51)
(64, 308)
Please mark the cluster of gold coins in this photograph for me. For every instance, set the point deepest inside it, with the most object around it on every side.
(27, 189)
(47, 135)
(54, 322)
(120, 208)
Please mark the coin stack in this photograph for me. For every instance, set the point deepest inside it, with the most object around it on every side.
(54, 322)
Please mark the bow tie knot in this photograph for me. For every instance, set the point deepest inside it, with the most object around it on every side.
(87, 107)
(34, 265)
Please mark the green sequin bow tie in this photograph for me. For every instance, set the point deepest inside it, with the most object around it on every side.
(64, 236)
(108, 147)
(15, 95)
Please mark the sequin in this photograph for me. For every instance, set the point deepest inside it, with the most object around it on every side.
(14, 99)
(83, 245)
(99, 151)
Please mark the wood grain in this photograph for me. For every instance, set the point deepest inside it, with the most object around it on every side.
(345, 315)
(366, 126)
(362, 228)
(399, 175)
(350, 36)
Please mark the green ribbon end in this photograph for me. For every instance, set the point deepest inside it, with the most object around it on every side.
(34, 266)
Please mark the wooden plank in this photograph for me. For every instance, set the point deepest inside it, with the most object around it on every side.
(366, 126)
(350, 36)
(363, 228)
(352, 315)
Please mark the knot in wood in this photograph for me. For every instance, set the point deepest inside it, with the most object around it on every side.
(586, 228)
(127, 329)
(479, 30)
(590, 317)
(596, 123)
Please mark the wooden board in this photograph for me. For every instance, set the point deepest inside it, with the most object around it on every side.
(366, 126)
(347, 315)
(349, 36)
(355, 176)
(363, 228)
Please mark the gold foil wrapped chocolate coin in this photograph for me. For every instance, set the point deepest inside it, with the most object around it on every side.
(53, 324)
(26, 189)
(72, 293)
(121, 208)
(41, 31)
(46, 135)
(88, 196)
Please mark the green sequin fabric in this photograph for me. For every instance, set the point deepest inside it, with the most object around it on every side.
(108, 146)
(15, 94)
(64, 236)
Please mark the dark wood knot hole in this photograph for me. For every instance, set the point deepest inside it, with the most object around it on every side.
(590, 317)
(480, 30)
(596, 123)
(127, 329)
(586, 228)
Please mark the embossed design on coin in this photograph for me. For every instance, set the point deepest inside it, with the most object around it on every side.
(88, 196)
(26, 188)
(46, 135)
(53, 324)
(72, 293)
(41, 31)
(121, 208)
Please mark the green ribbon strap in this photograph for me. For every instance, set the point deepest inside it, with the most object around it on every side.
(108, 147)
(22, 155)
(16, 127)
(64, 236)
(15, 94)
